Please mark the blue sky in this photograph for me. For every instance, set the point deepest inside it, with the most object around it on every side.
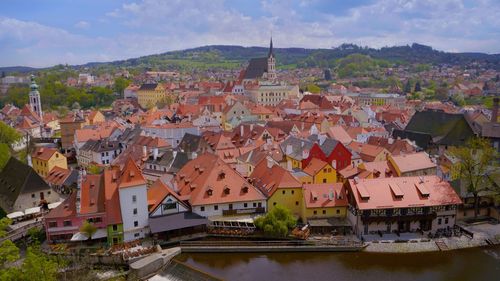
(44, 33)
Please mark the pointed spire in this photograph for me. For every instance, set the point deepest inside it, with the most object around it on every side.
(271, 52)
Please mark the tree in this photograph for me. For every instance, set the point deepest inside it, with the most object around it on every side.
(407, 88)
(313, 89)
(4, 154)
(418, 88)
(88, 229)
(277, 222)
(458, 99)
(8, 134)
(328, 75)
(120, 85)
(476, 159)
(39, 266)
(441, 93)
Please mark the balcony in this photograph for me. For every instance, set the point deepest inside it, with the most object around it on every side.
(258, 210)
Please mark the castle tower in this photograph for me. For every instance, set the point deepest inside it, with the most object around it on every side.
(34, 96)
(271, 63)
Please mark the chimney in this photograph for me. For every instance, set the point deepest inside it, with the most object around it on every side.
(334, 164)
(289, 165)
(242, 130)
(305, 154)
(251, 127)
(494, 112)
(144, 151)
(331, 195)
(28, 158)
(270, 162)
(289, 149)
(390, 140)
(155, 153)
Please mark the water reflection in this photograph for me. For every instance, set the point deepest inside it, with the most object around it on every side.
(472, 264)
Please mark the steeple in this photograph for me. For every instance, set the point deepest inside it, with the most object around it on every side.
(34, 98)
(271, 63)
(271, 53)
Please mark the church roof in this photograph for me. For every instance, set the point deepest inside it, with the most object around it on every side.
(256, 68)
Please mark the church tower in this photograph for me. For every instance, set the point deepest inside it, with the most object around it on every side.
(271, 63)
(35, 103)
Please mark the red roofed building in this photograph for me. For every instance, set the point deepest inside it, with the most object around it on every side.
(405, 204)
(213, 188)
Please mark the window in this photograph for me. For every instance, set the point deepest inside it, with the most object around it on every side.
(202, 208)
(293, 191)
(254, 204)
(283, 192)
(136, 234)
(134, 198)
(245, 205)
(48, 192)
(338, 211)
(439, 221)
(296, 203)
(115, 227)
(169, 206)
(315, 212)
(216, 207)
(324, 212)
(135, 211)
(33, 195)
(446, 220)
(324, 180)
(274, 203)
(52, 224)
(67, 223)
(136, 223)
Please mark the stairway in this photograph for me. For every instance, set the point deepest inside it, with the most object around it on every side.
(442, 245)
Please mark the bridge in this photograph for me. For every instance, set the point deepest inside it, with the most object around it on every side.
(22, 231)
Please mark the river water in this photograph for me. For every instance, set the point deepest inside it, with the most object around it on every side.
(470, 264)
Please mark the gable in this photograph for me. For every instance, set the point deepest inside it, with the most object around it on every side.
(169, 205)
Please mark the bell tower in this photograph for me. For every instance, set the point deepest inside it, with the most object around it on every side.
(34, 96)
(271, 63)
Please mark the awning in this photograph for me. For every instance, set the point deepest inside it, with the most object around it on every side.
(100, 233)
(54, 205)
(31, 211)
(79, 237)
(15, 215)
(175, 221)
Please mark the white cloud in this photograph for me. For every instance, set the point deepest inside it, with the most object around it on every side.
(82, 24)
(154, 26)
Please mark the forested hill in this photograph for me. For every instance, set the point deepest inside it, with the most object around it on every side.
(219, 56)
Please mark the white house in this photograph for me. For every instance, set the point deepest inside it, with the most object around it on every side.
(171, 132)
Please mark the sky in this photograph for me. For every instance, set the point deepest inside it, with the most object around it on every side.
(44, 33)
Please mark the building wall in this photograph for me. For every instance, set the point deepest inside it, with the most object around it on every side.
(209, 210)
(74, 225)
(117, 234)
(290, 198)
(172, 135)
(68, 133)
(160, 211)
(127, 205)
(326, 175)
(30, 200)
(329, 212)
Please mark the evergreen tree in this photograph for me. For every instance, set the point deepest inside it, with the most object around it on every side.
(328, 75)
(418, 88)
(407, 88)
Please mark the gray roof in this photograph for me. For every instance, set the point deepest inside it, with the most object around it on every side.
(101, 145)
(175, 221)
(190, 143)
(298, 145)
(328, 146)
(256, 68)
(167, 159)
(15, 179)
(148, 87)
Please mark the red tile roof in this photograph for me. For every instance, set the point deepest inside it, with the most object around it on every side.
(378, 193)
(324, 195)
(131, 175)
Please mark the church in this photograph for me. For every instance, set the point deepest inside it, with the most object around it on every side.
(261, 68)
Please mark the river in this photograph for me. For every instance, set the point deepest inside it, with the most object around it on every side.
(470, 264)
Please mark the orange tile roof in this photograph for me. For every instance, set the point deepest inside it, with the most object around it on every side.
(413, 162)
(378, 193)
(314, 166)
(324, 195)
(112, 196)
(131, 175)
(270, 179)
(92, 195)
(57, 175)
(43, 153)
(157, 192)
(207, 178)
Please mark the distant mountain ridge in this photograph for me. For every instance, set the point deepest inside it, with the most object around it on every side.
(232, 56)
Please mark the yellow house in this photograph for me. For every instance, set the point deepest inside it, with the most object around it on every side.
(324, 201)
(43, 159)
(95, 117)
(320, 171)
(278, 184)
(149, 95)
